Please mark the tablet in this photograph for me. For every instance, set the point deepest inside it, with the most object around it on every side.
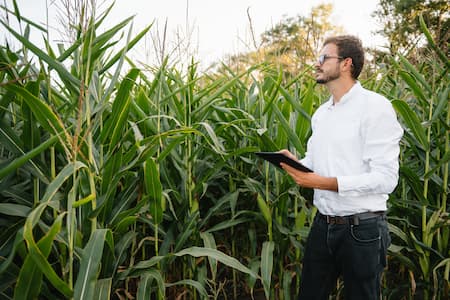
(276, 158)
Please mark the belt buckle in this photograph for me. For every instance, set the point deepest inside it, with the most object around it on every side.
(331, 220)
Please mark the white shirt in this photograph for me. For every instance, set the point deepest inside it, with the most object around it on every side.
(357, 141)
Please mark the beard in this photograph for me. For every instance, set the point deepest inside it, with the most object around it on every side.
(327, 77)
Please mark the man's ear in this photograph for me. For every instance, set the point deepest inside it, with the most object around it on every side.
(348, 62)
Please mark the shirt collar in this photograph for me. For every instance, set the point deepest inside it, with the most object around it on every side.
(355, 89)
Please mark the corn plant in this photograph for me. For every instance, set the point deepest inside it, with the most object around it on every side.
(81, 178)
(121, 181)
(421, 222)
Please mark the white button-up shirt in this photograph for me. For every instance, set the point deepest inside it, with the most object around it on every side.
(357, 141)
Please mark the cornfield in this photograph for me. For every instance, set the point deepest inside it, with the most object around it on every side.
(121, 182)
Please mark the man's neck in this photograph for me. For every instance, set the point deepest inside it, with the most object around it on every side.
(340, 87)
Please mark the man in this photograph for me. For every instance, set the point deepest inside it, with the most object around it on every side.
(353, 150)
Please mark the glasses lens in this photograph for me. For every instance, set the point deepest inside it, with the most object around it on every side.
(321, 59)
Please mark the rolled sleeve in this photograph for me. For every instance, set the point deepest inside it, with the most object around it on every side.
(382, 134)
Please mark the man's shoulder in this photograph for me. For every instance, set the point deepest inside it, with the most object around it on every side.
(374, 98)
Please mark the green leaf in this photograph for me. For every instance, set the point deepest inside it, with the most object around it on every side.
(443, 97)
(217, 255)
(91, 257)
(103, 289)
(444, 58)
(210, 242)
(146, 264)
(195, 284)
(153, 189)
(287, 283)
(189, 227)
(126, 48)
(399, 233)
(416, 89)
(228, 224)
(267, 266)
(414, 183)
(62, 176)
(292, 135)
(43, 113)
(264, 209)
(21, 160)
(119, 114)
(17, 11)
(145, 284)
(418, 77)
(29, 281)
(412, 122)
(442, 162)
(38, 257)
(56, 65)
(217, 145)
(11, 209)
(122, 246)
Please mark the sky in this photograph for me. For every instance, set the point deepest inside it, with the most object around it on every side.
(212, 29)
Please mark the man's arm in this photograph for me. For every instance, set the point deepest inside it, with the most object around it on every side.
(309, 180)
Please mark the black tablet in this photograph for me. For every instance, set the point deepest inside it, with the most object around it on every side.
(276, 158)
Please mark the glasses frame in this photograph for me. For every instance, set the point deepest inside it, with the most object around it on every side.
(322, 58)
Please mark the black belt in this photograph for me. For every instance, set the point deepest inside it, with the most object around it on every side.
(351, 219)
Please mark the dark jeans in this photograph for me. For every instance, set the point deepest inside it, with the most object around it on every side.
(355, 252)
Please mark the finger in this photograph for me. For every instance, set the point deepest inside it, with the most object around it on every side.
(287, 167)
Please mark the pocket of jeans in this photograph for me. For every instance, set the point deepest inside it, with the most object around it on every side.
(366, 246)
(365, 233)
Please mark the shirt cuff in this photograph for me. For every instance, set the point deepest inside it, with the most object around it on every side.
(346, 186)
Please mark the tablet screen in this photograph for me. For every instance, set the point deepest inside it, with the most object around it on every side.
(276, 158)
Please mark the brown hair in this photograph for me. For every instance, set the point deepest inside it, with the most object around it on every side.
(349, 46)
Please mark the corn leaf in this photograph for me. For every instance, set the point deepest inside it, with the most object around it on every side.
(90, 263)
(444, 58)
(29, 282)
(412, 122)
(116, 124)
(145, 285)
(62, 176)
(217, 255)
(267, 266)
(103, 289)
(21, 160)
(265, 210)
(38, 257)
(54, 64)
(43, 113)
(195, 284)
(210, 242)
(12, 209)
(153, 190)
(418, 77)
(292, 135)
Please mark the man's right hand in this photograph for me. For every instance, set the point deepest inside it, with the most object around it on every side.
(287, 153)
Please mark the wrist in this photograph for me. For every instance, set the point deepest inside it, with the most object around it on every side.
(327, 183)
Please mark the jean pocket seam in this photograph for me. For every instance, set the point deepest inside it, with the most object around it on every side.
(378, 238)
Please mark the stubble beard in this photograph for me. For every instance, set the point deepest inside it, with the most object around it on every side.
(328, 77)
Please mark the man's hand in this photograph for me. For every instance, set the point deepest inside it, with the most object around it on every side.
(308, 179)
(288, 154)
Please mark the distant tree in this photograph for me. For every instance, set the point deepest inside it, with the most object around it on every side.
(401, 22)
(293, 42)
(300, 36)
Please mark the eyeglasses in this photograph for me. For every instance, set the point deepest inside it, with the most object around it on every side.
(324, 57)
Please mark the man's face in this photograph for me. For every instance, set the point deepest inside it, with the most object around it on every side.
(329, 69)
